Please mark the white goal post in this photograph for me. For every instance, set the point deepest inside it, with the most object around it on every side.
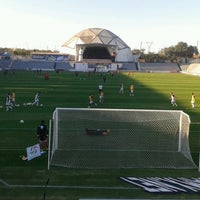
(136, 138)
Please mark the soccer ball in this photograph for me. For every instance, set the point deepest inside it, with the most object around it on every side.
(21, 121)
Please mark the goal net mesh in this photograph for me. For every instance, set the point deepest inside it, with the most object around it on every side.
(137, 139)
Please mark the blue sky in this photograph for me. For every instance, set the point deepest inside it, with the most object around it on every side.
(148, 24)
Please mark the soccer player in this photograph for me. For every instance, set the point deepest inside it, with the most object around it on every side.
(131, 90)
(121, 90)
(193, 98)
(91, 101)
(9, 106)
(36, 99)
(173, 100)
(13, 97)
(97, 132)
(104, 78)
(42, 134)
(101, 97)
(46, 76)
(100, 88)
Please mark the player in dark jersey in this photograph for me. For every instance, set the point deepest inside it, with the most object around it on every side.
(97, 131)
(42, 134)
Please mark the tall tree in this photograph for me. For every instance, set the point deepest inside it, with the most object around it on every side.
(181, 49)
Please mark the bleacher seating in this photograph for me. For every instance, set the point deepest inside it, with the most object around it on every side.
(97, 61)
(5, 64)
(129, 67)
(66, 66)
(37, 64)
(160, 67)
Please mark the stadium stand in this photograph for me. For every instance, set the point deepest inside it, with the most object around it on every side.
(123, 66)
(64, 66)
(35, 65)
(129, 66)
(67, 66)
(95, 61)
(160, 67)
(5, 64)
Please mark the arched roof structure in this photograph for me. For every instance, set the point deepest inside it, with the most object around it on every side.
(98, 43)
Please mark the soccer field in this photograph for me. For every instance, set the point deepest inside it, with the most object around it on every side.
(27, 179)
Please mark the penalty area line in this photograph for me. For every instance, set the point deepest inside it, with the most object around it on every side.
(67, 186)
(5, 149)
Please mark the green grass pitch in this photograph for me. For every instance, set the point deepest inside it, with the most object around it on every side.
(22, 180)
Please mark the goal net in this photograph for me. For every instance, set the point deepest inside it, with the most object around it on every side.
(120, 138)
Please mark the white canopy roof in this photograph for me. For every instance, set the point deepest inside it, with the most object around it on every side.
(99, 36)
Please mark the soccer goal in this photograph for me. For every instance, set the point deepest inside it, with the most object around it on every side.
(120, 138)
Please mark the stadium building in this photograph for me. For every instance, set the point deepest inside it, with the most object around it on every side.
(101, 47)
(98, 43)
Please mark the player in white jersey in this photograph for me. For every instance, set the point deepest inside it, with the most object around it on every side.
(9, 106)
(101, 97)
(36, 99)
(121, 89)
(173, 100)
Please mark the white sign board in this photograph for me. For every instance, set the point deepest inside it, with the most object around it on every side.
(33, 151)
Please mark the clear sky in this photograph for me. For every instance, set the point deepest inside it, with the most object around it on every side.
(148, 24)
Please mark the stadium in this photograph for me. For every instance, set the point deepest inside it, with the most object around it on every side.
(151, 151)
(93, 48)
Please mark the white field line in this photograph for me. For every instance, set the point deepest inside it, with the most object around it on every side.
(14, 149)
(66, 186)
(13, 129)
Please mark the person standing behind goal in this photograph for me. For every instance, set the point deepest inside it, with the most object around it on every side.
(42, 135)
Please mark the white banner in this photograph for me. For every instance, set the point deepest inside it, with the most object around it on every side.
(33, 151)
